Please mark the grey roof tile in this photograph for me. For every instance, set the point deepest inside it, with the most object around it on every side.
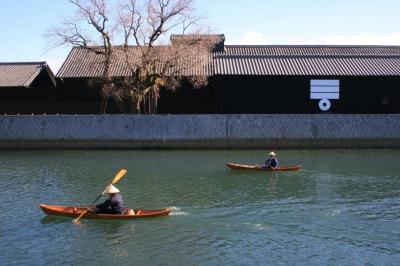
(85, 63)
(20, 74)
(310, 60)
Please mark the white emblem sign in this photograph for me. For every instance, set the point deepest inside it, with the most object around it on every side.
(324, 90)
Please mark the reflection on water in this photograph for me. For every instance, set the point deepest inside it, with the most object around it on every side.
(55, 219)
(339, 209)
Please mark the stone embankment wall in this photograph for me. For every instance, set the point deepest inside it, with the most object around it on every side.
(199, 131)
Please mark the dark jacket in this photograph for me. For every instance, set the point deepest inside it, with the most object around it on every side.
(271, 162)
(113, 205)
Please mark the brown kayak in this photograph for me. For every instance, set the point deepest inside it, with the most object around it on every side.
(257, 167)
(70, 211)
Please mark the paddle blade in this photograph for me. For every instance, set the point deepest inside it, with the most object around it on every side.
(120, 174)
(80, 216)
(118, 177)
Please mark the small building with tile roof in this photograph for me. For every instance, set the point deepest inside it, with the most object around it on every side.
(265, 79)
(26, 87)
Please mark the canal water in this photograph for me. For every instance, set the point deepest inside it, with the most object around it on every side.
(343, 208)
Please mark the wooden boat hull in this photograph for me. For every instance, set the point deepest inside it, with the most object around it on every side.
(70, 211)
(259, 168)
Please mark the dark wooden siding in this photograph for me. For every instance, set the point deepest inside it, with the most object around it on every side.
(224, 95)
(291, 94)
(188, 100)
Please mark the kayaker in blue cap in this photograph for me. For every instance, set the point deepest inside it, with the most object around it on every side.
(272, 161)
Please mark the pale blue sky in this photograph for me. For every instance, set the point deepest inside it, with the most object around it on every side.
(24, 22)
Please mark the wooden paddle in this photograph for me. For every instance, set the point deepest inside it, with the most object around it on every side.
(118, 177)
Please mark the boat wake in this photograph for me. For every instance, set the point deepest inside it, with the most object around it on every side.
(177, 211)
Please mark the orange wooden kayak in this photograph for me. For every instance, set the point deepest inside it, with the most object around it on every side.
(260, 168)
(70, 211)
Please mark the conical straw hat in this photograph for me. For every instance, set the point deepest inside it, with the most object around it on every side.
(111, 190)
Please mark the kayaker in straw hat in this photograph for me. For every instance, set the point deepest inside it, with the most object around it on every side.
(272, 161)
(113, 205)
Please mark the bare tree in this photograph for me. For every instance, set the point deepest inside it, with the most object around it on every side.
(138, 27)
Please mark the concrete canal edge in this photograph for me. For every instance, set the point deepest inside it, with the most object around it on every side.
(263, 131)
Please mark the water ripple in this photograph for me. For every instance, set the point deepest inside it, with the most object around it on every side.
(338, 210)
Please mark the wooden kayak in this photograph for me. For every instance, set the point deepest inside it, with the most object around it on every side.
(70, 211)
(260, 168)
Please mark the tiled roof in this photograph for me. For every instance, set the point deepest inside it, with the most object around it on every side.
(308, 65)
(311, 50)
(310, 60)
(217, 38)
(21, 74)
(83, 62)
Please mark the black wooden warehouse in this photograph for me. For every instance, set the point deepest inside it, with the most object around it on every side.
(308, 79)
(273, 79)
(27, 87)
(258, 79)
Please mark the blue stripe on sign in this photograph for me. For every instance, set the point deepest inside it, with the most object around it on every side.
(324, 95)
(324, 82)
(324, 89)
